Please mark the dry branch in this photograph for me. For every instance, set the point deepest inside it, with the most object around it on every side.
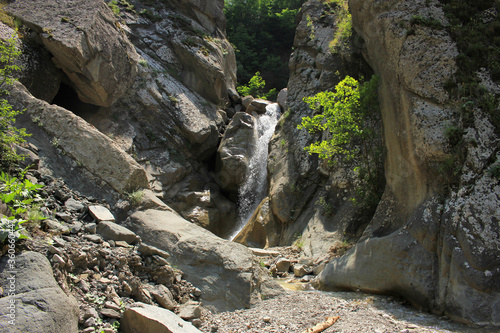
(323, 325)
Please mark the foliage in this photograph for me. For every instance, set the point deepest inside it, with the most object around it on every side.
(327, 208)
(19, 195)
(476, 30)
(262, 32)
(135, 198)
(22, 198)
(255, 88)
(346, 114)
(343, 24)
(11, 226)
(9, 135)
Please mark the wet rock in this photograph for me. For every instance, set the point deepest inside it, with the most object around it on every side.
(258, 105)
(281, 100)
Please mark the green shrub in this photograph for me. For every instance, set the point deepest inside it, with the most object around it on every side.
(9, 134)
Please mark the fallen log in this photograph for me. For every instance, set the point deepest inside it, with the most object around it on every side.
(323, 325)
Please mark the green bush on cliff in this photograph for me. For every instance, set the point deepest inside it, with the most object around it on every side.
(9, 134)
(255, 87)
(347, 114)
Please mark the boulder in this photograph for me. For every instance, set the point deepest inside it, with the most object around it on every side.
(281, 100)
(146, 318)
(83, 142)
(235, 149)
(33, 301)
(262, 230)
(87, 42)
(223, 270)
(245, 102)
(112, 231)
(257, 105)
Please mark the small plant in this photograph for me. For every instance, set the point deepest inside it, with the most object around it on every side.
(310, 25)
(343, 32)
(494, 171)
(135, 198)
(298, 241)
(114, 7)
(55, 142)
(18, 195)
(96, 299)
(11, 228)
(327, 208)
(426, 21)
(143, 63)
(204, 51)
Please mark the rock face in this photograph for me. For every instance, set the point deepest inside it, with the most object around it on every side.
(80, 140)
(223, 270)
(87, 42)
(298, 180)
(233, 155)
(438, 249)
(37, 303)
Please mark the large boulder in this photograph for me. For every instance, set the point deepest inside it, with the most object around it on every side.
(83, 142)
(32, 301)
(87, 43)
(223, 270)
(262, 230)
(235, 150)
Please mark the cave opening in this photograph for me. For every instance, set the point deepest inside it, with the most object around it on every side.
(68, 98)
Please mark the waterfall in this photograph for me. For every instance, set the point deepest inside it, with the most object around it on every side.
(254, 189)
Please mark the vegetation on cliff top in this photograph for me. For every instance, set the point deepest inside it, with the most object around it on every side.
(262, 33)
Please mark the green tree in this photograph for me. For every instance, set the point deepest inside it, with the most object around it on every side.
(262, 32)
(346, 114)
(9, 134)
(255, 88)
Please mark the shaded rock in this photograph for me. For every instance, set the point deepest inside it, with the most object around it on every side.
(164, 297)
(40, 304)
(149, 250)
(110, 313)
(233, 155)
(223, 270)
(257, 105)
(281, 100)
(73, 205)
(150, 201)
(262, 230)
(86, 43)
(54, 227)
(146, 318)
(245, 102)
(112, 231)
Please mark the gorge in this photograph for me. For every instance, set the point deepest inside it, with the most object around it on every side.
(139, 98)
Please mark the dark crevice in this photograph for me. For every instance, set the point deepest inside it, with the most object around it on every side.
(68, 98)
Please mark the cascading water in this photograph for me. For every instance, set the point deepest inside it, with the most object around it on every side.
(253, 190)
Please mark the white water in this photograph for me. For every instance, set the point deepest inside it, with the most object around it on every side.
(254, 189)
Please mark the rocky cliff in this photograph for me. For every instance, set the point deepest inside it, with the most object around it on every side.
(433, 241)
